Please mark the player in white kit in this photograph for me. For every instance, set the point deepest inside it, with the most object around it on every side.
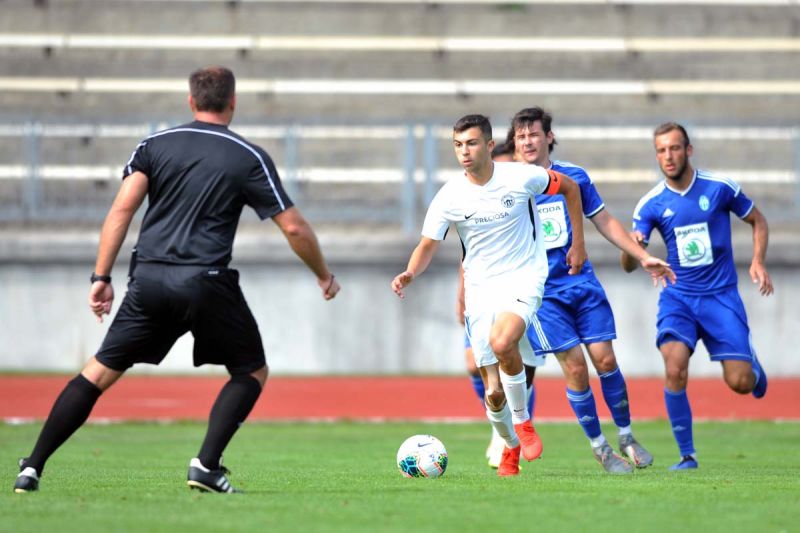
(493, 209)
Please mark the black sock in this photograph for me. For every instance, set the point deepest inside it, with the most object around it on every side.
(69, 412)
(234, 403)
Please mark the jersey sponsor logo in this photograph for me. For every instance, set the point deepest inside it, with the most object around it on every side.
(554, 225)
(694, 245)
(491, 218)
(704, 202)
(508, 201)
(552, 230)
(694, 250)
(467, 217)
(667, 213)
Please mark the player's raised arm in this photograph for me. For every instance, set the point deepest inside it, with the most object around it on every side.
(758, 270)
(419, 261)
(566, 186)
(614, 232)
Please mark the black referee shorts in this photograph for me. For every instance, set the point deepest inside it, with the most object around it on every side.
(165, 301)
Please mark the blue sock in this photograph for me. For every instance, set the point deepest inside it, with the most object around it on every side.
(477, 386)
(615, 393)
(531, 399)
(680, 416)
(585, 409)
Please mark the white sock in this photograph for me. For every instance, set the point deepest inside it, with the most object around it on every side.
(501, 423)
(598, 441)
(516, 395)
(624, 431)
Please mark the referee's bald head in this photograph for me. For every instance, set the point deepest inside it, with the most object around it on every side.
(212, 88)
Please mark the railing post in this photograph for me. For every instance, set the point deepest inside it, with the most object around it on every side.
(409, 194)
(797, 171)
(291, 161)
(431, 163)
(31, 199)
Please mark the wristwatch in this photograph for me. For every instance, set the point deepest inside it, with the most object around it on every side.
(98, 277)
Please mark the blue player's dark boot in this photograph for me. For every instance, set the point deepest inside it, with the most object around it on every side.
(760, 387)
(687, 462)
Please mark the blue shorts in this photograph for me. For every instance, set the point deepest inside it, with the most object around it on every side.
(719, 319)
(576, 315)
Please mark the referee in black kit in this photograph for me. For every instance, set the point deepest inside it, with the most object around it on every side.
(197, 178)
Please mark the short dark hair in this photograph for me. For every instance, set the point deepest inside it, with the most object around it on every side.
(212, 88)
(528, 116)
(474, 121)
(503, 148)
(671, 126)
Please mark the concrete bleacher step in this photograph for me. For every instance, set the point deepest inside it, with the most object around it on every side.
(618, 63)
(582, 66)
(740, 19)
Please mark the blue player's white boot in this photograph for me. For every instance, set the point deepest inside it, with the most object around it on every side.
(612, 463)
(635, 452)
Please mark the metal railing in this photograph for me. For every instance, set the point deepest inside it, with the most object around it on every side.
(71, 179)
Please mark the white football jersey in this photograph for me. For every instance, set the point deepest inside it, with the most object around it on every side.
(497, 222)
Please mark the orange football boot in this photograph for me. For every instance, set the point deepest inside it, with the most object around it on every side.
(529, 439)
(509, 462)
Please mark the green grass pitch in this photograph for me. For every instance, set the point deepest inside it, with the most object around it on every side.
(342, 477)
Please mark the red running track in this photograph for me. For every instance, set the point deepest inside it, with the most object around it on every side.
(377, 398)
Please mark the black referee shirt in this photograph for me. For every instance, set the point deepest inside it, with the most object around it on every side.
(200, 176)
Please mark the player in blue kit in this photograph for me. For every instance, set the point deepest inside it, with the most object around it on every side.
(691, 209)
(575, 309)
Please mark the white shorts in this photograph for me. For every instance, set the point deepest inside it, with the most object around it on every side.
(480, 317)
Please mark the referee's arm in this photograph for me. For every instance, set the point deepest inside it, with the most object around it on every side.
(303, 242)
(128, 200)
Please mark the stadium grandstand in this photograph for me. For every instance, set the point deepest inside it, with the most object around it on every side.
(355, 101)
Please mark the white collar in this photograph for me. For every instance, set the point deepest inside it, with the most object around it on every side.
(687, 189)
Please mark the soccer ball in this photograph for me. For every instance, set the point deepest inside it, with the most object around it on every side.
(422, 456)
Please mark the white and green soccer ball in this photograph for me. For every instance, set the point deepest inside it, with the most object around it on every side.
(422, 456)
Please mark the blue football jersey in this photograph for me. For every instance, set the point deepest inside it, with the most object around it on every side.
(557, 227)
(696, 227)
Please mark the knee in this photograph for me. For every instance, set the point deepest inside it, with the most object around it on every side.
(740, 383)
(605, 363)
(261, 375)
(495, 399)
(576, 372)
(501, 345)
(100, 375)
(472, 368)
(677, 377)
